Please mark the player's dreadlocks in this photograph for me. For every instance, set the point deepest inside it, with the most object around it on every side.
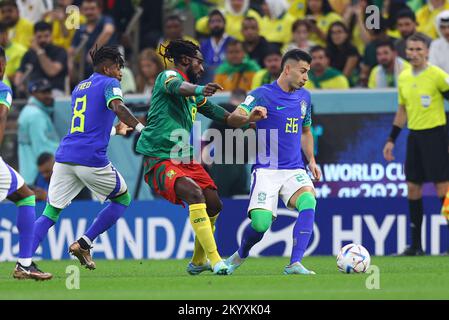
(176, 49)
(105, 53)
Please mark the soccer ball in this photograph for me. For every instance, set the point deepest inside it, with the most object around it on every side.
(353, 258)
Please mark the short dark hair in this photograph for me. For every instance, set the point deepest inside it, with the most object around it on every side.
(217, 12)
(272, 49)
(406, 13)
(8, 3)
(250, 18)
(42, 26)
(419, 37)
(319, 48)
(173, 17)
(44, 158)
(325, 9)
(106, 53)
(234, 42)
(296, 54)
(300, 22)
(386, 43)
(99, 3)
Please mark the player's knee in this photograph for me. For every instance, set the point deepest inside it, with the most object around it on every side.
(214, 207)
(306, 201)
(261, 220)
(195, 195)
(124, 199)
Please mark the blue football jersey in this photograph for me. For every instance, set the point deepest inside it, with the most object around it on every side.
(5, 95)
(287, 113)
(87, 141)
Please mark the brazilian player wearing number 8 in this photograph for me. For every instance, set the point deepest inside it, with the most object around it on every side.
(81, 159)
(13, 187)
(289, 113)
(421, 93)
(169, 167)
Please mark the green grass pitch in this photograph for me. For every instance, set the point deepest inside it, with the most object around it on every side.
(258, 278)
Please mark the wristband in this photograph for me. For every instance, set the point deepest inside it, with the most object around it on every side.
(139, 127)
(113, 131)
(199, 90)
(395, 131)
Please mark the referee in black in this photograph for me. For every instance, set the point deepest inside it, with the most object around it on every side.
(421, 92)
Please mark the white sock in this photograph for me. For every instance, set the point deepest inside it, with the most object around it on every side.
(25, 262)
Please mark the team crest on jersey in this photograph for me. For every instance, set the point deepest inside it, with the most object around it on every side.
(171, 173)
(303, 109)
(262, 196)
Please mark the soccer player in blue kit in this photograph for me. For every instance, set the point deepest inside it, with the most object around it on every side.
(13, 187)
(289, 112)
(81, 159)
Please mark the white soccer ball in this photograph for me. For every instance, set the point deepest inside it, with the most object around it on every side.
(353, 258)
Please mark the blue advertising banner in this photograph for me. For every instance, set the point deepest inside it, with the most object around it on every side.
(159, 230)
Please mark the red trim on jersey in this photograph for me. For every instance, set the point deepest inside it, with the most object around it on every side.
(186, 78)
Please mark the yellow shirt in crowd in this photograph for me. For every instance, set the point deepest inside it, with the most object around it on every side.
(14, 54)
(59, 39)
(323, 23)
(426, 19)
(22, 33)
(278, 30)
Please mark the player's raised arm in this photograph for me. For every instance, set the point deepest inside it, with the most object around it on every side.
(247, 112)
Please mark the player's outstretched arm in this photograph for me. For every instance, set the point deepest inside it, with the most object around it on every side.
(125, 115)
(307, 147)
(176, 86)
(240, 117)
(398, 123)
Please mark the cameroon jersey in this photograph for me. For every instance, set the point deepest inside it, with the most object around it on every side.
(422, 97)
(287, 113)
(170, 120)
(87, 141)
(5, 95)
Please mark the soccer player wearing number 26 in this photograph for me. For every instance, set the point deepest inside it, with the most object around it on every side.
(169, 167)
(81, 159)
(288, 112)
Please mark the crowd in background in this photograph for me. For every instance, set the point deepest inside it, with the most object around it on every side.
(242, 43)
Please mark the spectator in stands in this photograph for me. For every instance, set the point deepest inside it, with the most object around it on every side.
(369, 59)
(355, 18)
(121, 11)
(320, 16)
(439, 49)
(426, 16)
(238, 70)
(150, 65)
(300, 35)
(254, 44)
(173, 30)
(342, 53)
(63, 24)
(44, 60)
(34, 10)
(297, 8)
(20, 29)
(234, 11)
(45, 164)
(386, 73)
(276, 25)
(14, 54)
(214, 47)
(322, 75)
(406, 25)
(128, 82)
(231, 179)
(272, 70)
(36, 132)
(99, 30)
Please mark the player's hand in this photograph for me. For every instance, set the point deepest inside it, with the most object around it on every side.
(258, 113)
(211, 88)
(315, 170)
(122, 129)
(388, 151)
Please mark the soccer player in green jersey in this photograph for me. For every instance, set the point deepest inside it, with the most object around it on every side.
(169, 166)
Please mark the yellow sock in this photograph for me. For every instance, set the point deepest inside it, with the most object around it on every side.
(199, 256)
(202, 227)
